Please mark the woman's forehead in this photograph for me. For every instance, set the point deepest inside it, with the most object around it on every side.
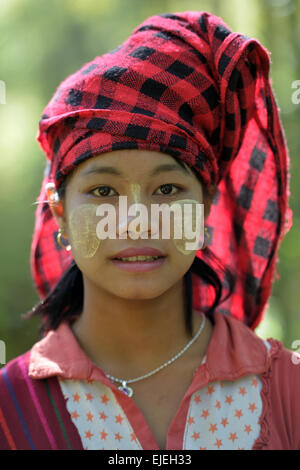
(128, 162)
(125, 156)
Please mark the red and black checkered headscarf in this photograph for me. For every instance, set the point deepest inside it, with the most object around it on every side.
(185, 85)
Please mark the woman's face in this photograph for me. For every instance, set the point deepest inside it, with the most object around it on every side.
(144, 177)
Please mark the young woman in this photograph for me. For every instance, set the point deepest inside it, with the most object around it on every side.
(146, 343)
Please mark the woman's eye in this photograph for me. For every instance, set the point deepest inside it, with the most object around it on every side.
(167, 189)
(102, 191)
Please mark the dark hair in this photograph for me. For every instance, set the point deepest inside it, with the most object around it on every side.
(65, 300)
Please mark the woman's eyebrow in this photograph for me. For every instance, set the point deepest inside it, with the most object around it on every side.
(114, 171)
(168, 167)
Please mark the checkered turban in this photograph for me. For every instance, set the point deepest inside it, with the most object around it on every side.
(186, 85)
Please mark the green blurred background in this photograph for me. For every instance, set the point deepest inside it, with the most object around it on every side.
(41, 43)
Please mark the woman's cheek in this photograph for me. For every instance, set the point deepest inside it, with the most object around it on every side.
(187, 233)
(82, 228)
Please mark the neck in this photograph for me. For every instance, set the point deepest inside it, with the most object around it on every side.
(129, 337)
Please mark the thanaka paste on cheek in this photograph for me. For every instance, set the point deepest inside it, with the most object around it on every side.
(182, 222)
(82, 224)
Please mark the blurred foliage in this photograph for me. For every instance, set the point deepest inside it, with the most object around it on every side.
(41, 43)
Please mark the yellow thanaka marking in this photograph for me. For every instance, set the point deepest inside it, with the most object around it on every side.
(83, 237)
(181, 222)
(83, 223)
(136, 192)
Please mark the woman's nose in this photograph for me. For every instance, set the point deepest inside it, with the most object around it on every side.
(134, 221)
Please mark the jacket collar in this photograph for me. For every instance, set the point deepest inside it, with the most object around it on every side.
(234, 350)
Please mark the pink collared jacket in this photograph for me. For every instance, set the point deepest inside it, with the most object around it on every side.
(243, 395)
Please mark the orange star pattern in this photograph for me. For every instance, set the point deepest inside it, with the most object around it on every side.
(205, 413)
(88, 434)
(229, 399)
(119, 418)
(104, 399)
(252, 407)
(247, 428)
(254, 382)
(213, 428)
(191, 420)
(224, 422)
(218, 443)
(76, 397)
(202, 405)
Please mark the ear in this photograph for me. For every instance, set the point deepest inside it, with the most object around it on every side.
(56, 204)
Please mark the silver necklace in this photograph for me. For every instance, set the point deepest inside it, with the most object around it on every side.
(128, 390)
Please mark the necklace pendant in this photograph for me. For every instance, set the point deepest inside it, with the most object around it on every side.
(125, 389)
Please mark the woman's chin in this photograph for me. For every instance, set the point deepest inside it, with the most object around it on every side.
(139, 291)
(135, 287)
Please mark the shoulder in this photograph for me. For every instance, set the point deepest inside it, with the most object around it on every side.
(14, 373)
(284, 387)
(284, 364)
(26, 404)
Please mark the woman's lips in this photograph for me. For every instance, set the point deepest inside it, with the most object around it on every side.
(139, 266)
(138, 251)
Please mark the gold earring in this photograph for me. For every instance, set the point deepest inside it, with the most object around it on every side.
(59, 237)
